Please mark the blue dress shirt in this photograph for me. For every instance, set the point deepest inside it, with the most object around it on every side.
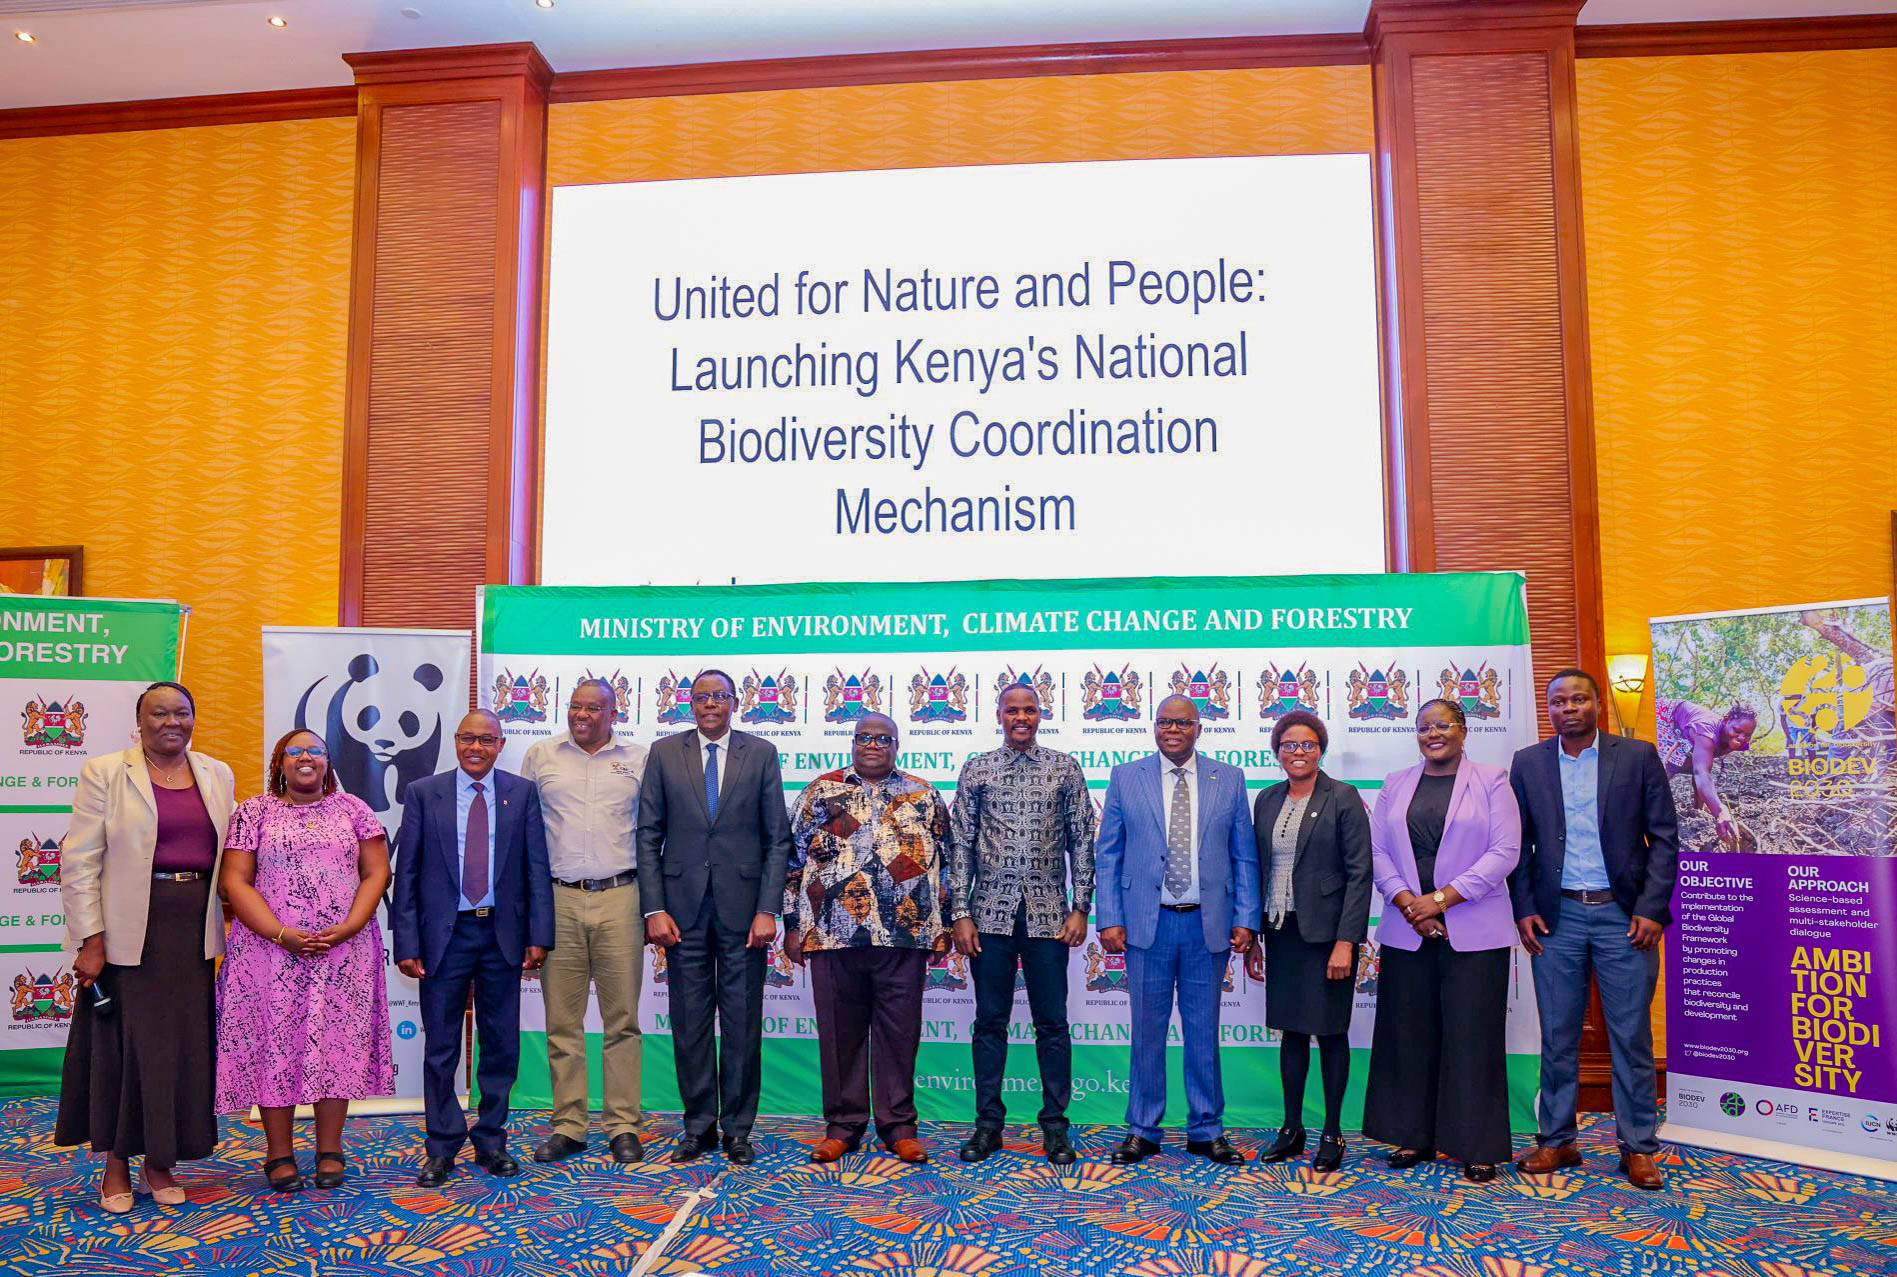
(1583, 867)
(464, 799)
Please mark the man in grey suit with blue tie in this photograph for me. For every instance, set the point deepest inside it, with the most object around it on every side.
(714, 841)
(1178, 894)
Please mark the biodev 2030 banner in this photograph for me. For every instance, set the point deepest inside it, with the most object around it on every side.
(1778, 727)
(1363, 652)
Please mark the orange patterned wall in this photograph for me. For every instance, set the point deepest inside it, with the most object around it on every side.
(1741, 223)
(1276, 111)
(173, 309)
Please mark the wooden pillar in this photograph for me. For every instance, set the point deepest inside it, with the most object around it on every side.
(442, 444)
(1487, 397)
(1485, 311)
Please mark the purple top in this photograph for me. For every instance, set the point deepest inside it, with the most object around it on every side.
(187, 840)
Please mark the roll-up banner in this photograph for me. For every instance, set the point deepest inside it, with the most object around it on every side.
(1778, 727)
(1361, 651)
(71, 670)
(386, 703)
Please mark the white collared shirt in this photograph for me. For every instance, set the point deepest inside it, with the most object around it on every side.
(590, 803)
(1190, 896)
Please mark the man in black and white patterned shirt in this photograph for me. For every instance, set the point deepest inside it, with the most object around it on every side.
(1022, 825)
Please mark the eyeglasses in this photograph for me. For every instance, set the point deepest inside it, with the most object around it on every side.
(299, 751)
(1299, 747)
(1180, 723)
(711, 698)
(881, 738)
(468, 738)
(1435, 729)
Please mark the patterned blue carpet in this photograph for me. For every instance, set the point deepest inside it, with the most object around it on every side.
(872, 1216)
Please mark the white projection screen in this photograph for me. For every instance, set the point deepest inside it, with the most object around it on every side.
(1120, 368)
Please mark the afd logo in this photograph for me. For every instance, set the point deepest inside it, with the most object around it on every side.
(405, 1030)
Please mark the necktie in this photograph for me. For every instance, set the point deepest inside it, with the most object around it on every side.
(711, 781)
(474, 850)
(1179, 836)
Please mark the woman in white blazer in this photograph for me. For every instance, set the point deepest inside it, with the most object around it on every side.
(137, 874)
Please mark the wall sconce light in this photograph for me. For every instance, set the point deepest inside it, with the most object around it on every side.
(1627, 680)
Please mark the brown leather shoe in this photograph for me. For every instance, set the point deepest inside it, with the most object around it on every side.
(1641, 1172)
(1548, 1158)
(910, 1150)
(829, 1150)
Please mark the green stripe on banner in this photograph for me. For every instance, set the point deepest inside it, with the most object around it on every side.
(34, 1071)
(31, 948)
(62, 809)
(945, 1089)
(1407, 610)
(87, 640)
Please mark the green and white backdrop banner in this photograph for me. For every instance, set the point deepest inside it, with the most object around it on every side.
(71, 669)
(1361, 651)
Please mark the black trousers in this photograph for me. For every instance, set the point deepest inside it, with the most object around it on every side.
(717, 988)
(1438, 1062)
(869, 1024)
(473, 960)
(1044, 964)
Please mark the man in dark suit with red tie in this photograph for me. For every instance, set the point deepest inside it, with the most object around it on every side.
(473, 909)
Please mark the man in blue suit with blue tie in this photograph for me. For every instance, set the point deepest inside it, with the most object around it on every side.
(473, 909)
(1178, 893)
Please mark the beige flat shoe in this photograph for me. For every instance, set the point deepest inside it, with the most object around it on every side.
(117, 1203)
(173, 1196)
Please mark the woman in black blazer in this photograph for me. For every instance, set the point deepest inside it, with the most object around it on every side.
(1314, 873)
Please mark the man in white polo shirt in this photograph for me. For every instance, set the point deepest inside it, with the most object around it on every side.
(589, 797)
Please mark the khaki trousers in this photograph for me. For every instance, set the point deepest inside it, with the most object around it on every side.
(599, 939)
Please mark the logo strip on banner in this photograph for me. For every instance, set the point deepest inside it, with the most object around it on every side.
(1778, 731)
(1363, 652)
(71, 670)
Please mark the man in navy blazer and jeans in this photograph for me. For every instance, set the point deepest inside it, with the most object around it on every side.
(473, 909)
(1593, 890)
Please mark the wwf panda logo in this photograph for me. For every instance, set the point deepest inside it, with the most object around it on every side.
(384, 730)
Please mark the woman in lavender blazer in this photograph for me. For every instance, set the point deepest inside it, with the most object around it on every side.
(1443, 838)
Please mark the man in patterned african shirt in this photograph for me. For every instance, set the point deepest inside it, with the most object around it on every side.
(1022, 827)
(863, 904)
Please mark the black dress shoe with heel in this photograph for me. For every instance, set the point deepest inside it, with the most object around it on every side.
(626, 1148)
(1330, 1153)
(500, 1163)
(1059, 1149)
(291, 1183)
(981, 1145)
(1289, 1144)
(1219, 1150)
(332, 1178)
(1134, 1148)
(557, 1148)
(1404, 1158)
(435, 1172)
(1479, 1172)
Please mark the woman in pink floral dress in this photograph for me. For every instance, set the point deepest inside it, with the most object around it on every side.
(302, 1001)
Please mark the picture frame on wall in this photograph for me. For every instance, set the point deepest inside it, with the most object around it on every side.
(54, 570)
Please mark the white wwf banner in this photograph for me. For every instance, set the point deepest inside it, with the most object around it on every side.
(386, 703)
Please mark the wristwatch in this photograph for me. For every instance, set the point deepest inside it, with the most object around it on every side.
(1438, 898)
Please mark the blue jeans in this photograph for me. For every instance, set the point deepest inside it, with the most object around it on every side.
(1595, 937)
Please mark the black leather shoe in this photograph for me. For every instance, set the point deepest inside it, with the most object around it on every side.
(1134, 1148)
(332, 1178)
(1330, 1154)
(626, 1148)
(738, 1151)
(557, 1148)
(1289, 1144)
(435, 1172)
(500, 1163)
(692, 1147)
(1479, 1172)
(1219, 1150)
(1404, 1158)
(1059, 1150)
(981, 1145)
(291, 1183)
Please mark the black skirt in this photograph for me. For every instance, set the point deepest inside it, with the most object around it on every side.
(1299, 997)
(140, 1082)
